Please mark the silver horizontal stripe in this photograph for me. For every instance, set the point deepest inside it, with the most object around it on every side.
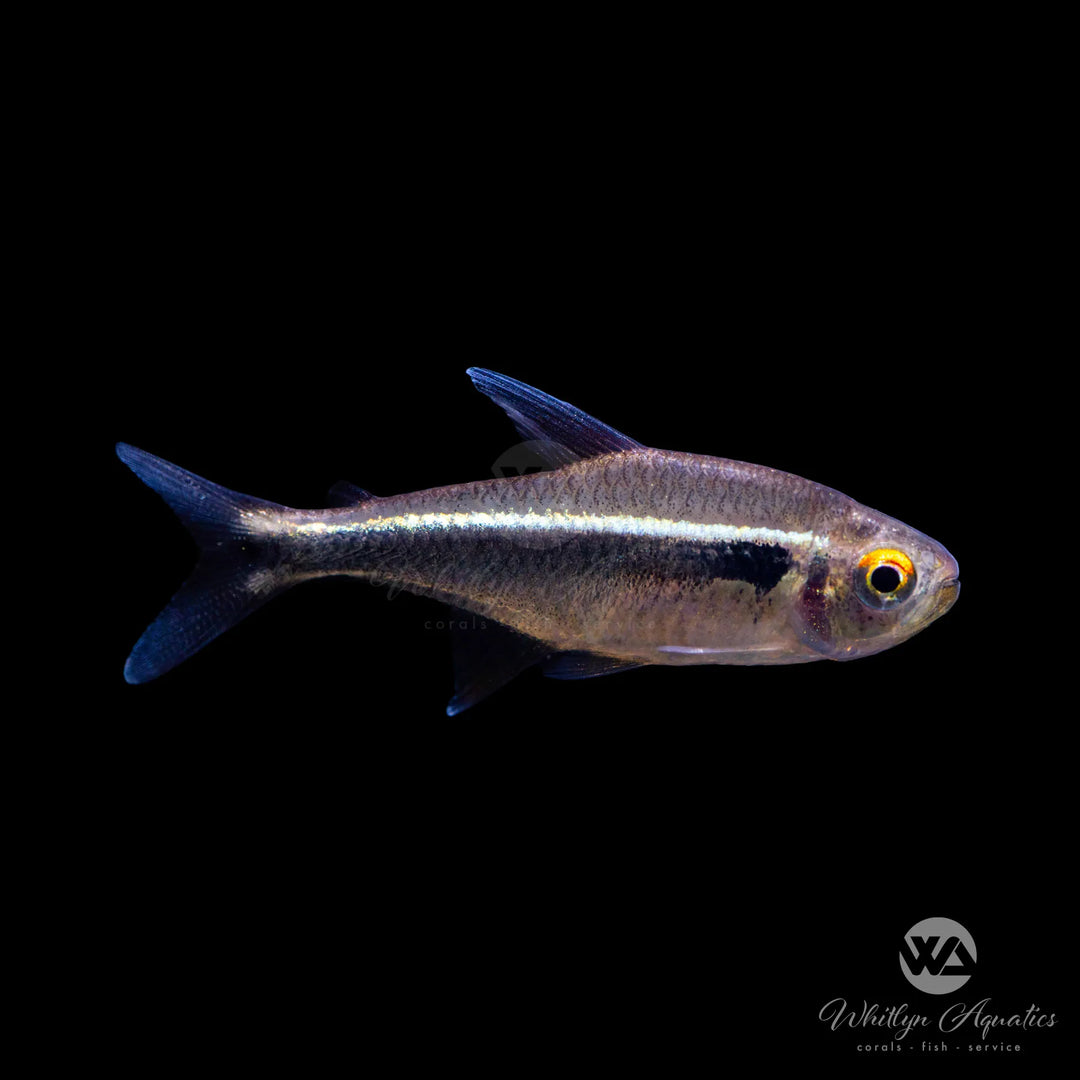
(553, 520)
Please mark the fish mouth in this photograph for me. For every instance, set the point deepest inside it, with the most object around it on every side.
(946, 595)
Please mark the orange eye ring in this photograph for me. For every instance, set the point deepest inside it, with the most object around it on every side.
(884, 578)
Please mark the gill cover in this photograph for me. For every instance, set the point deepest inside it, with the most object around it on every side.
(813, 612)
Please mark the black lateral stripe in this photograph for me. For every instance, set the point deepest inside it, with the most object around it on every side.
(760, 565)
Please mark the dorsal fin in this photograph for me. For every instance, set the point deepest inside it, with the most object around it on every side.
(566, 433)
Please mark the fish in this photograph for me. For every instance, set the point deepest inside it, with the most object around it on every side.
(614, 556)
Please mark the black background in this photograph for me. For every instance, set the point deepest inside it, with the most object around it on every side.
(294, 844)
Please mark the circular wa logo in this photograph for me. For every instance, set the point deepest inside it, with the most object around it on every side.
(937, 956)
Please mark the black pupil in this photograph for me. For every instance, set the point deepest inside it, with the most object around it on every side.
(885, 579)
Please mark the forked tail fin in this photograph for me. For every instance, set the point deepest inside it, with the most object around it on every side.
(235, 574)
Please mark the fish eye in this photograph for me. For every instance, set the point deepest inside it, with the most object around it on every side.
(884, 578)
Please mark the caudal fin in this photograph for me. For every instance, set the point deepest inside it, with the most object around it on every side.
(235, 573)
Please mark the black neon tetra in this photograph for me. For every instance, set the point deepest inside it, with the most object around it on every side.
(619, 555)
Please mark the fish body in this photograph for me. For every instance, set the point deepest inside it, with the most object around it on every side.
(618, 555)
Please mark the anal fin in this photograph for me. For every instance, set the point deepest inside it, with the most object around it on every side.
(584, 665)
(487, 655)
